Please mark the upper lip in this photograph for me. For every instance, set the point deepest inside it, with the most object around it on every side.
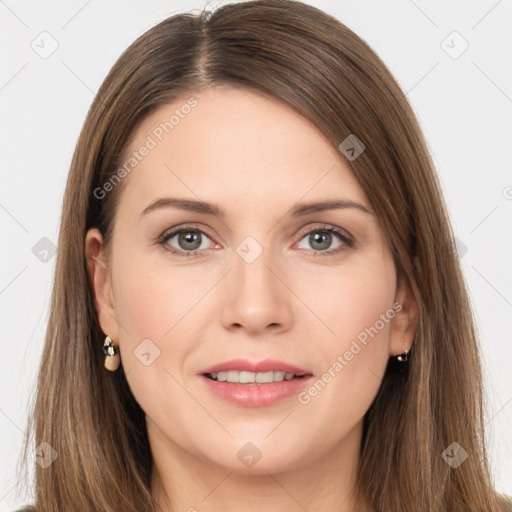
(266, 365)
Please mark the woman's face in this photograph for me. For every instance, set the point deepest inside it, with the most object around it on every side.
(255, 277)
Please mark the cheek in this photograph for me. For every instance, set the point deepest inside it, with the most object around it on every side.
(356, 312)
(349, 299)
(160, 312)
(153, 299)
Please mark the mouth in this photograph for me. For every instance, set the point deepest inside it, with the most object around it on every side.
(255, 394)
(246, 377)
(255, 384)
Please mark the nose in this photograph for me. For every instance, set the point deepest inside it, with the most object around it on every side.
(256, 298)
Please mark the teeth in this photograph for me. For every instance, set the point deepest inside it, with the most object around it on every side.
(251, 377)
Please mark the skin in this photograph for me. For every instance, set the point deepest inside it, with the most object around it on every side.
(255, 158)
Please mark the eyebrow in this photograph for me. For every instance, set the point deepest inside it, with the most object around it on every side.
(204, 207)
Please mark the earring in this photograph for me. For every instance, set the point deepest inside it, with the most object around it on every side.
(112, 359)
(403, 357)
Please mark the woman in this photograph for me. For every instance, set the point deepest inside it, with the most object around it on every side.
(257, 301)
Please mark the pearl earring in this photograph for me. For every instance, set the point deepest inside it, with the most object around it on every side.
(112, 358)
(403, 357)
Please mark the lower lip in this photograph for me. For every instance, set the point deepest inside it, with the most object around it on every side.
(256, 395)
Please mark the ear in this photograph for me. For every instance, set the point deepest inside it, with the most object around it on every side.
(101, 281)
(405, 322)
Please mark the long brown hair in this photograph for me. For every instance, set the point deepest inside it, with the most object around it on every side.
(311, 62)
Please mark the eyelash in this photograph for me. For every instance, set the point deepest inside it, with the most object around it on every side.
(323, 228)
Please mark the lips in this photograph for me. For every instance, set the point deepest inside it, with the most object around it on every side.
(261, 393)
(266, 365)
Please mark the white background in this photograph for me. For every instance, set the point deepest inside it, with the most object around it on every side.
(464, 105)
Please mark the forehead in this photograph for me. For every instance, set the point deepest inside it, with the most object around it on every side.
(232, 145)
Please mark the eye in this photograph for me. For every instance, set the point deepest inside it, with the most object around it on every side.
(185, 241)
(321, 239)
